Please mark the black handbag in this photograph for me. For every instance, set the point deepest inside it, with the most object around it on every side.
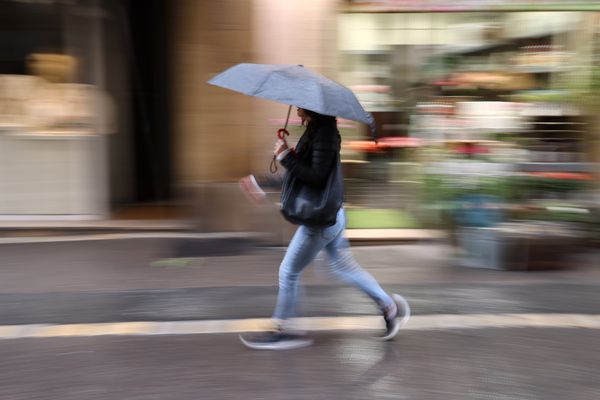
(302, 204)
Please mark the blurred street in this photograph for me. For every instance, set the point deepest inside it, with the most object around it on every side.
(475, 334)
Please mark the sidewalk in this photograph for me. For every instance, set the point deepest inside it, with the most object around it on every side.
(152, 263)
(137, 228)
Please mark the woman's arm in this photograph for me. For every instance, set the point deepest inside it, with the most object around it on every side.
(325, 145)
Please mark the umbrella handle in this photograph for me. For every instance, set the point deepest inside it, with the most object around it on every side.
(282, 133)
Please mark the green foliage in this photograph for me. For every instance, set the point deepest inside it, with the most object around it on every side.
(446, 188)
(379, 219)
(443, 192)
(524, 187)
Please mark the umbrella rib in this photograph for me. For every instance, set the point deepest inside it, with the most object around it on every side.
(267, 76)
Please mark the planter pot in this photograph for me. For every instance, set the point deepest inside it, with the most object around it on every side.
(518, 246)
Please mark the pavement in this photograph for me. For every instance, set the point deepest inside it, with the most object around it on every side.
(20, 231)
(158, 317)
(534, 364)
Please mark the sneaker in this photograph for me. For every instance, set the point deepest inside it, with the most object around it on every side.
(276, 340)
(396, 320)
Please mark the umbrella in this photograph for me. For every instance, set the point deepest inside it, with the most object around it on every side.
(294, 85)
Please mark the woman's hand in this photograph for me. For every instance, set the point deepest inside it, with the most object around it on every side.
(280, 147)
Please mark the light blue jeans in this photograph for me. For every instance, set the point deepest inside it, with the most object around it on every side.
(304, 247)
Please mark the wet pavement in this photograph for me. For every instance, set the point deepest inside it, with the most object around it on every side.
(139, 280)
(317, 301)
(532, 364)
(123, 265)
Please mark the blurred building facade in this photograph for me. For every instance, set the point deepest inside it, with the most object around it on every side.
(497, 82)
(126, 117)
(221, 135)
(105, 102)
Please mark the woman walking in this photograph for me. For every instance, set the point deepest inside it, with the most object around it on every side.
(311, 163)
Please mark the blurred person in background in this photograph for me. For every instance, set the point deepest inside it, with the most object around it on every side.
(311, 162)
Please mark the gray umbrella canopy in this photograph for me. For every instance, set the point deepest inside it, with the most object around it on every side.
(294, 85)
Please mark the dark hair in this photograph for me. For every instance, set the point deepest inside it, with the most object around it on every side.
(317, 120)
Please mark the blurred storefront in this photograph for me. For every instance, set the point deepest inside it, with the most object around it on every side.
(83, 119)
(494, 81)
(105, 102)
(502, 97)
(54, 115)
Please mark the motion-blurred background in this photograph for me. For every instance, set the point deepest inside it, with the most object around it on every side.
(127, 250)
(486, 111)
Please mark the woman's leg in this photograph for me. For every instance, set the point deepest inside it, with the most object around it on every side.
(345, 267)
(303, 248)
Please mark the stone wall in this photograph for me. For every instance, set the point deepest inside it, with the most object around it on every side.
(220, 135)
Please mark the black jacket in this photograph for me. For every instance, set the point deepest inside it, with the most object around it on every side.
(315, 154)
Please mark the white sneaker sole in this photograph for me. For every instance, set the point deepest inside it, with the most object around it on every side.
(404, 310)
(285, 345)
